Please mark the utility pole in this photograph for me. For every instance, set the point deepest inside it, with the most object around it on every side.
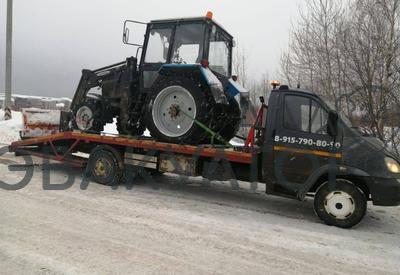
(7, 92)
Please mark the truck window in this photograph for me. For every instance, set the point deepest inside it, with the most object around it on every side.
(158, 45)
(305, 115)
(297, 113)
(319, 119)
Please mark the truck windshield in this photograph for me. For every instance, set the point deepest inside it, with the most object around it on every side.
(219, 52)
(188, 44)
(342, 115)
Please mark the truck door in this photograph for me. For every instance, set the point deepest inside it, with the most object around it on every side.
(301, 142)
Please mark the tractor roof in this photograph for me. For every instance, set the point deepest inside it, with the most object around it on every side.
(188, 20)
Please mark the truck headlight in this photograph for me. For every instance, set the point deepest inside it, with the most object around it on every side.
(392, 165)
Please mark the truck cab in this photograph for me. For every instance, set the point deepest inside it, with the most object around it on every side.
(308, 148)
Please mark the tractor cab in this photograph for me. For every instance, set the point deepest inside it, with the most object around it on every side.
(198, 40)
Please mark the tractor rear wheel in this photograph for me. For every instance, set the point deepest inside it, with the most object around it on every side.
(172, 108)
(137, 130)
(233, 121)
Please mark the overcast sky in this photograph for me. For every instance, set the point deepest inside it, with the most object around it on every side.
(55, 39)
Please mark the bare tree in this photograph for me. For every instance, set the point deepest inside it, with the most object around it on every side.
(240, 65)
(312, 60)
(372, 51)
(351, 53)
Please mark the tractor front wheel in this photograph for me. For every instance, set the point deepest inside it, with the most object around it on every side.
(86, 116)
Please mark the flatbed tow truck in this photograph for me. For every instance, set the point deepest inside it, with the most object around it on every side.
(298, 147)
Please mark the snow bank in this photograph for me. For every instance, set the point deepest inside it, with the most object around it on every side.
(9, 129)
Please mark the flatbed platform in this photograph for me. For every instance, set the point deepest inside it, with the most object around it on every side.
(46, 147)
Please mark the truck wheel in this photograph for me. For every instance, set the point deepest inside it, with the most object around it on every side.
(86, 116)
(171, 108)
(105, 165)
(344, 206)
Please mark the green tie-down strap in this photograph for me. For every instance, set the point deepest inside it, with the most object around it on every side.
(213, 134)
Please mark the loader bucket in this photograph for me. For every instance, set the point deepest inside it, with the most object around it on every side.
(39, 122)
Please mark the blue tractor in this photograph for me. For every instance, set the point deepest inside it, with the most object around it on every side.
(181, 86)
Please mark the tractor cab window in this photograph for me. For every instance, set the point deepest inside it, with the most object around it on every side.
(305, 115)
(158, 45)
(219, 52)
(188, 44)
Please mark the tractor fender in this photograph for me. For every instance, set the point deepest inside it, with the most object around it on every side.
(197, 71)
(235, 88)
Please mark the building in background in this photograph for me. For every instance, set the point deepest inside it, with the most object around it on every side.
(46, 103)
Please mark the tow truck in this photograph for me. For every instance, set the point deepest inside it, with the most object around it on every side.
(298, 147)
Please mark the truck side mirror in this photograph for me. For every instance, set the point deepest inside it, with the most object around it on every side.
(333, 118)
(128, 37)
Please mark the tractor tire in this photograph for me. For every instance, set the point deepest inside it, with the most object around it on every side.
(344, 205)
(87, 116)
(138, 130)
(171, 108)
(231, 127)
(226, 121)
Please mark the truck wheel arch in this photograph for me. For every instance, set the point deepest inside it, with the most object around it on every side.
(321, 175)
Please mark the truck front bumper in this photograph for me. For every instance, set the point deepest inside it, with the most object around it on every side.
(384, 192)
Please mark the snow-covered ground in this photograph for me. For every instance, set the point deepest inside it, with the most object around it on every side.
(9, 130)
(177, 225)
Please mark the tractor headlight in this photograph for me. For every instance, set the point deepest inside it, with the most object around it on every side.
(392, 165)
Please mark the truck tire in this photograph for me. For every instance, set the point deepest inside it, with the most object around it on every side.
(165, 111)
(344, 206)
(87, 118)
(105, 165)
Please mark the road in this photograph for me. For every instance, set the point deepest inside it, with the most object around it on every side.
(175, 225)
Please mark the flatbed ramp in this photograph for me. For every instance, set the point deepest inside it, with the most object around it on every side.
(61, 146)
